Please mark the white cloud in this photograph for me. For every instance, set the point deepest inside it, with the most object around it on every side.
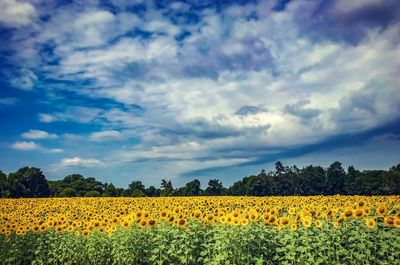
(106, 135)
(25, 79)
(191, 90)
(73, 113)
(90, 28)
(25, 146)
(349, 6)
(16, 13)
(8, 101)
(77, 161)
(38, 134)
(55, 151)
(47, 118)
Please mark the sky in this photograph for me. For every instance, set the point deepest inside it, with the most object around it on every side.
(144, 90)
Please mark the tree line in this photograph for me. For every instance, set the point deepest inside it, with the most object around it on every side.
(30, 182)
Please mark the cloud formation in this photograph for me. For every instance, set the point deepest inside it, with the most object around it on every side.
(8, 101)
(25, 146)
(194, 86)
(38, 134)
(16, 13)
(77, 161)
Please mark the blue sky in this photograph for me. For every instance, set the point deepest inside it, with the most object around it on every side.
(144, 90)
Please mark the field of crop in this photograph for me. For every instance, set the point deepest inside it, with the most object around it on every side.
(201, 230)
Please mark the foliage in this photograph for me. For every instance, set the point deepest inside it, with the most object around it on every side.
(3, 185)
(309, 180)
(199, 244)
(27, 182)
(201, 230)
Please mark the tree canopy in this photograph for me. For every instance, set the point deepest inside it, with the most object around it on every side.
(29, 182)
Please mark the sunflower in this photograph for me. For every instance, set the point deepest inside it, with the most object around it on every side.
(125, 223)
(397, 222)
(36, 228)
(307, 221)
(381, 210)
(138, 214)
(389, 221)
(318, 223)
(292, 211)
(293, 227)
(244, 221)
(266, 217)
(284, 221)
(371, 223)
(96, 223)
(272, 219)
(235, 221)
(181, 222)
(152, 222)
(359, 213)
(196, 214)
(361, 203)
(222, 219)
(143, 223)
(348, 213)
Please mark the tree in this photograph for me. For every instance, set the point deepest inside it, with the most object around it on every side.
(257, 185)
(3, 185)
(67, 192)
(152, 192)
(92, 193)
(238, 188)
(121, 192)
(312, 180)
(193, 188)
(280, 169)
(166, 188)
(351, 185)
(214, 188)
(28, 182)
(334, 182)
(78, 186)
(136, 189)
(109, 190)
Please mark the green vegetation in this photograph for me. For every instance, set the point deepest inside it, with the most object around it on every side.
(199, 244)
(310, 180)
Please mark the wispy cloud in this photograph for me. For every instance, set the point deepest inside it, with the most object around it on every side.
(202, 85)
(77, 161)
(38, 134)
(106, 135)
(8, 101)
(16, 13)
(25, 146)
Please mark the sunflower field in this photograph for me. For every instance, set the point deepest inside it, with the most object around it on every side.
(201, 230)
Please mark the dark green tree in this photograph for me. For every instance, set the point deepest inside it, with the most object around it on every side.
(312, 180)
(3, 185)
(334, 181)
(152, 192)
(92, 193)
(238, 188)
(136, 189)
(166, 188)
(215, 188)
(28, 182)
(67, 192)
(109, 190)
(352, 183)
(193, 188)
(279, 168)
